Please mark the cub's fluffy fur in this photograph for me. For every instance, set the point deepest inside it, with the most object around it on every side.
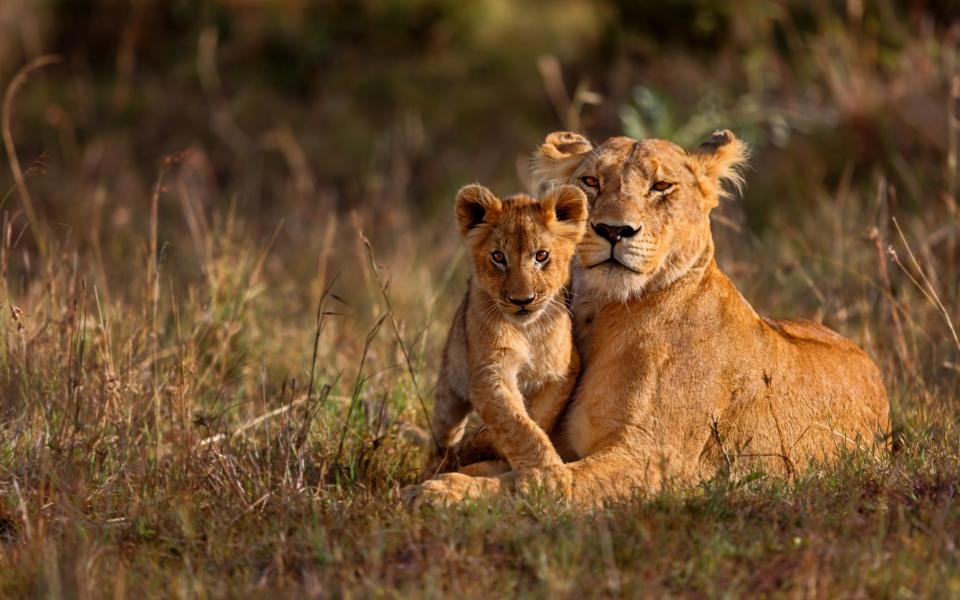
(510, 353)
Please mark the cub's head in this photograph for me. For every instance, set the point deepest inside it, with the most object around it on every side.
(522, 247)
(650, 204)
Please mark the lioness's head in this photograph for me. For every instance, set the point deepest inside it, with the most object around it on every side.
(522, 247)
(650, 202)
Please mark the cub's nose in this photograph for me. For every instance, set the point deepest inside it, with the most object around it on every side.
(614, 233)
(521, 302)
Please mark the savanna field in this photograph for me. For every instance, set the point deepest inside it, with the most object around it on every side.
(228, 260)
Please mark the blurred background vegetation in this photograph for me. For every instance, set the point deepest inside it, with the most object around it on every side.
(302, 112)
(299, 110)
(270, 134)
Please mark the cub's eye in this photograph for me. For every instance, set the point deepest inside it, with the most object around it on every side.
(661, 186)
(542, 256)
(591, 181)
(498, 257)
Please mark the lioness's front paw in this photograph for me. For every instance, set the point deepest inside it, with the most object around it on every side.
(555, 480)
(448, 489)
(486, 468)
(444, 490)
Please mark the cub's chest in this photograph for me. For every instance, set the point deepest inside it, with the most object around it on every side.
(530, 356)
(548, 356)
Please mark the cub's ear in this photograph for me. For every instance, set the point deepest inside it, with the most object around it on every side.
(566, 208)
(557, 158)
(719, 159)
(475, 205)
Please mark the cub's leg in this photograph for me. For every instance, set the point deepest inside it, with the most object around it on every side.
(449, 422)
(501, 406)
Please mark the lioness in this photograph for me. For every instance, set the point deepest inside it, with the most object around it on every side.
(510, 352)
(680, 377)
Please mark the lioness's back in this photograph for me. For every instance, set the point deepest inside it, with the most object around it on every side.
(808, 331)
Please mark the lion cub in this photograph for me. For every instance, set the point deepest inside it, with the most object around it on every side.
(509, 353)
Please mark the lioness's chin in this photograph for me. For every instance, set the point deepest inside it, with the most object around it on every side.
(610, 282)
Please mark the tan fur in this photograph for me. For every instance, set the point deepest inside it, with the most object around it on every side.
(681, 378)
(516, 366)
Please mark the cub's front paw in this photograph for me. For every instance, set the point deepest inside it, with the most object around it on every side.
(555, 480)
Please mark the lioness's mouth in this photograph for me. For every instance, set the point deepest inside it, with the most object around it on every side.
(613, 263)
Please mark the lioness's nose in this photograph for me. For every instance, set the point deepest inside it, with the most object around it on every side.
(614, 233)
(522, 301)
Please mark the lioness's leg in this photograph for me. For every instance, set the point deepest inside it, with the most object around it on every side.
(615, 472)
(521, 440)
(452, 488)
(485, 468)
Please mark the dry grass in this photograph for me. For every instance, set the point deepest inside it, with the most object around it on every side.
(207, 396)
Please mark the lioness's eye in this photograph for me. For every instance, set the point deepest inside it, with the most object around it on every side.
(498, 257)
(662, 186)
(591, 181)
(542, 256)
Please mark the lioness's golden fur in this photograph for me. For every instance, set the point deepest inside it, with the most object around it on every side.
(680, 377)
(510, 352)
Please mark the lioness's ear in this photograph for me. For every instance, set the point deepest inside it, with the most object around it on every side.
(566, 208)
(719, 159)
(557, 158)
(475, 206)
